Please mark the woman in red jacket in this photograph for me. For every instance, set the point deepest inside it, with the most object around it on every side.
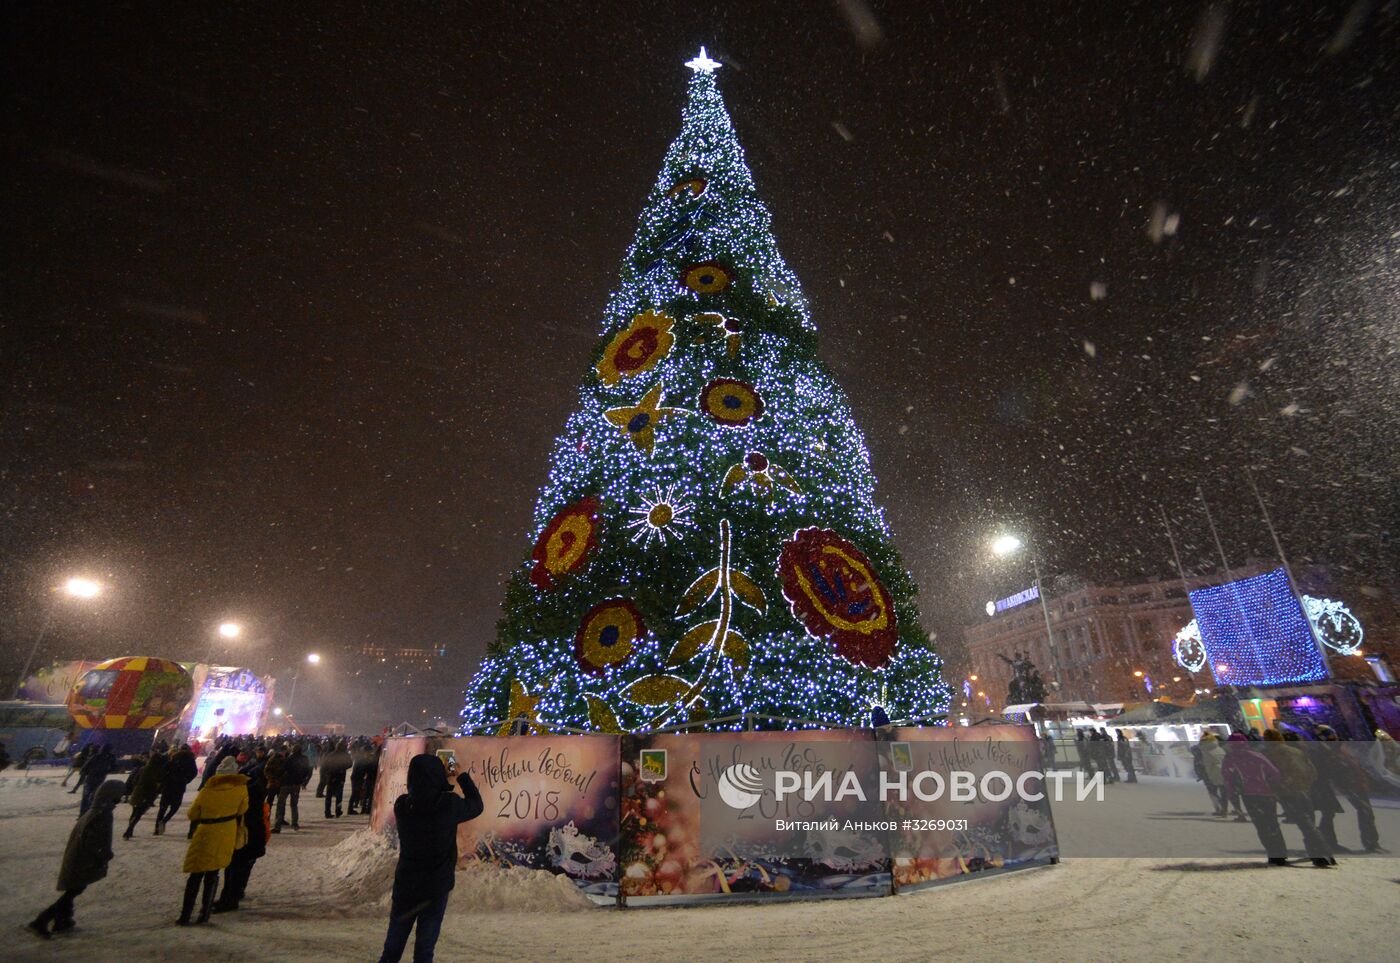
(1244, 769)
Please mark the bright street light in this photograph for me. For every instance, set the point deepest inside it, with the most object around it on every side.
(277, 711)
(76, 587)
(82, 588)
(1004, 545)
(224, 630)
(312, 658)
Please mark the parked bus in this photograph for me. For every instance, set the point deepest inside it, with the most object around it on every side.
(33, 732)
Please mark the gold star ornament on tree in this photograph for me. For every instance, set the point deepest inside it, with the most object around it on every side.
(638, 422)
(522, 718)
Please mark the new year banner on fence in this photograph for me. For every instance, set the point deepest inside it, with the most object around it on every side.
(551, 801)
(944, 833)
(392, 781)
(701, 816)
(677, 816)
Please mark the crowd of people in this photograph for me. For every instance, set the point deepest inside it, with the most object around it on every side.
(1270, 778)
(1100, 752)
(1261, 776)
(248, 789)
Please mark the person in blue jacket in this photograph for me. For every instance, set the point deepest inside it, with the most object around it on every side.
(427, 817)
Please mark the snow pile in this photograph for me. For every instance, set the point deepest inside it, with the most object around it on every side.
(360, 868)
(483, 889)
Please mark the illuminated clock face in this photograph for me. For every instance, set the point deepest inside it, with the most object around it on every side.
(1336, 627)
(1188, 649)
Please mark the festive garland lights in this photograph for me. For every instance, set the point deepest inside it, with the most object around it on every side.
(770, 449)
(1256, 633)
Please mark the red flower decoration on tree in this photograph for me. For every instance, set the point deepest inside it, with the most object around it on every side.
(564, 544)
(834, 592)
(607, 634)
(731, 403)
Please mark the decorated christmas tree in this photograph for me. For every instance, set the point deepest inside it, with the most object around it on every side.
(707, 544)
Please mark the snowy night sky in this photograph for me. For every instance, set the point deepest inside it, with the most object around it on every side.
(295, 300)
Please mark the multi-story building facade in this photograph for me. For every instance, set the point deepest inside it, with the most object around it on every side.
(1104, 637)
(1113, 643)
(399, 664)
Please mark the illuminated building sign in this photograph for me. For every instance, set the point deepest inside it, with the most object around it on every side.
(1020, 598)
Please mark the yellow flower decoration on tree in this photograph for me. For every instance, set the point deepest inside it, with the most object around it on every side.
(692, 186)
(731, 403)
(707, 277)
(639, 421)
(565, 543)
(522, 711)
(637, 348)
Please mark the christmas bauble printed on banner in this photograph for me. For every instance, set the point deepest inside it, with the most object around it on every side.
(701, 817)
(135, 692)
(942, 838)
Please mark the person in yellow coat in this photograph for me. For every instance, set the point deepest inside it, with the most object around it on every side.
(216, 830)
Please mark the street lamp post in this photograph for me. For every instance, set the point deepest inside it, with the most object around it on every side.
(78, 588)
(1181, 574)
(1007, 545)
(226, 630)
(312, 659)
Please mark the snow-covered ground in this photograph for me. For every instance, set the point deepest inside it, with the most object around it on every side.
(321, 895)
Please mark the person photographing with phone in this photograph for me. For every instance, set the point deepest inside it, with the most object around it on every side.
(427, 817)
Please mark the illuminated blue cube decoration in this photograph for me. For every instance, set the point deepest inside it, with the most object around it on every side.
(1255, 632)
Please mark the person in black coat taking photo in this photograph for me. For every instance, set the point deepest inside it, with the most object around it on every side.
(427, 817)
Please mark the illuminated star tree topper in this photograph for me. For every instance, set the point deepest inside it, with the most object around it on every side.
(703, 64)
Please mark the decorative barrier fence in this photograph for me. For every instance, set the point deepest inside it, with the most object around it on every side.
(551, 801)
(668, 817)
